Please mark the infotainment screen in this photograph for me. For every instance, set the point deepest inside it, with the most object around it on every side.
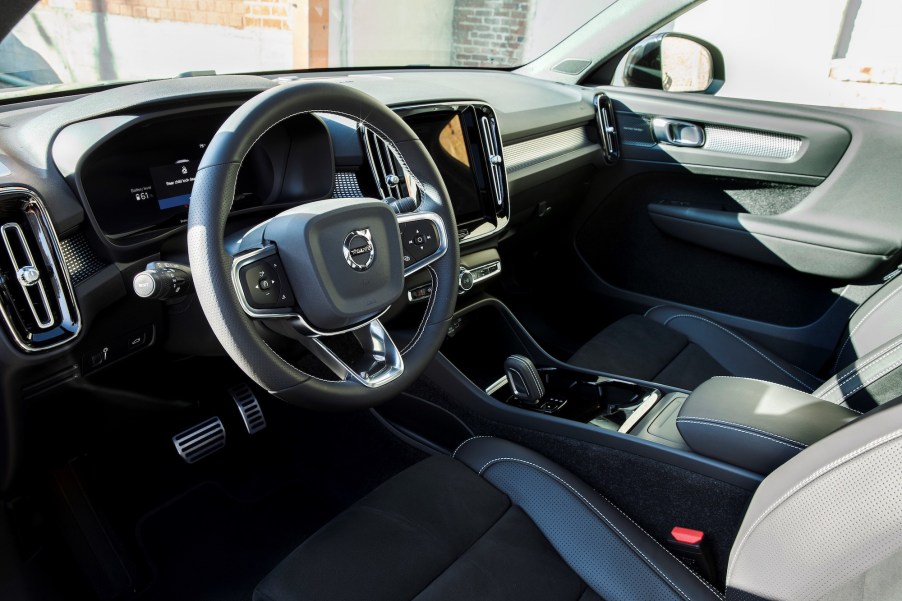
(449, 143)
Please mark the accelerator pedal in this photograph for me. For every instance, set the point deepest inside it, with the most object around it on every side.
(199, 441)
(249, 407)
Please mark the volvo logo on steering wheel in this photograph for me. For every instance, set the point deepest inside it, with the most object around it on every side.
(359, 250)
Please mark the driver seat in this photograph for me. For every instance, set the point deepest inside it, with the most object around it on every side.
(498, 521)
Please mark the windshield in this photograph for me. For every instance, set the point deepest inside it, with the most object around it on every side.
(73, 43)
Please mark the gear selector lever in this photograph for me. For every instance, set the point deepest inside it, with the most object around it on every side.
(524, 379)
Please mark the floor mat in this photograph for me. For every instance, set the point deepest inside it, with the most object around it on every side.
(209, 544)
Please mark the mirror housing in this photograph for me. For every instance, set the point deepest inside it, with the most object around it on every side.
(674, 62)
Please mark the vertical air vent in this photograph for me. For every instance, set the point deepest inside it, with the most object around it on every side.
(491, 142)
(607, 128)
(392, 179)
(36, 297)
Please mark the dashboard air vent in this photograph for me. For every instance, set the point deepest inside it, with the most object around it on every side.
(607, 128)
(36, 298)
(491, 142)
(392, 179)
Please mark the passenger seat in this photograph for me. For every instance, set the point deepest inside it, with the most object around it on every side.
(673, 346)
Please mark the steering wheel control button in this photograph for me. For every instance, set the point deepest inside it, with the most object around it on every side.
(420, 293)
(420, 239)
(265, 285)
(359, 250)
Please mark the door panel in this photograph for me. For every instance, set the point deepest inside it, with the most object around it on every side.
(771, 226)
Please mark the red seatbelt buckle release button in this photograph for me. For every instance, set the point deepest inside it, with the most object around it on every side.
(691, 547)
(687, 536)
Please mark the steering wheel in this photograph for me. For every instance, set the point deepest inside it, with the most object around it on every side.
(324, 268)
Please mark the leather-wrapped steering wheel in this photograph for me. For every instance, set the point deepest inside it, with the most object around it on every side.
(323, 268)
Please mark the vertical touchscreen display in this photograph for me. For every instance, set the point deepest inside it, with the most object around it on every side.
(447, 141)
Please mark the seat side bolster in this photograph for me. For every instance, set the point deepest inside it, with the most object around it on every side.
(592, 535)
(736, 353)
(810, 500)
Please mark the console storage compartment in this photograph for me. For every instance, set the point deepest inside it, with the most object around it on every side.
(753, 424)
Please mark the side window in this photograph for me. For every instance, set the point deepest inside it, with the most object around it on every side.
(842, 53)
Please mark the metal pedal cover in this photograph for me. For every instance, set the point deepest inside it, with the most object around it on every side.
(201, 440)
(249, 407)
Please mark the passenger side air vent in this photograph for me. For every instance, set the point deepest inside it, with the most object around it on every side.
(392, 179)
(607, 128)
(491, 143)
(36, 297)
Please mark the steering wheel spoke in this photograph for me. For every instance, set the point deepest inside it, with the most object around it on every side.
(424, 239)
(379, 363)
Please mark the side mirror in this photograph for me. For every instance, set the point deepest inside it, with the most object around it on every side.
(674, 62)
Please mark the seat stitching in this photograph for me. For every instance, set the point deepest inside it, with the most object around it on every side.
(701, 423)
(858, 369)
(608, 522)
(663, 548)
(734, 335)
(830, 466)
(647, 313)
(460, 446)
(759, 380)
(875, 377)
(719, 421)
(860, 323)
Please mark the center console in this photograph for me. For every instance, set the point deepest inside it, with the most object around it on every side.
(734, 429)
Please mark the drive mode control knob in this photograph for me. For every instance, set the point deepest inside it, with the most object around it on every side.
(465, 280)
(161, 281)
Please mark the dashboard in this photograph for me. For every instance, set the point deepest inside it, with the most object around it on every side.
(110, 175)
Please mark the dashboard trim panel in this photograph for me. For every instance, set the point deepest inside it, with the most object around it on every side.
(532, 152)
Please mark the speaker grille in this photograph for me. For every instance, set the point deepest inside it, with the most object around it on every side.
(572, 66)
(750, 143)
(346, 185)
(80, 258)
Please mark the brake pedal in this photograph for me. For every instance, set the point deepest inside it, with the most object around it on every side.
(201, 440)
(249, 407)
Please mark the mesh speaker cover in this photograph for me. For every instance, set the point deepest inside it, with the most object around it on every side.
(750, 143)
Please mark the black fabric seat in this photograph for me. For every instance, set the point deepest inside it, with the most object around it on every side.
(498, 521)
(673, 346)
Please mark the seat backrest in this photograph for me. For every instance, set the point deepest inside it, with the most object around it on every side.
(877, 321)
(827, 524)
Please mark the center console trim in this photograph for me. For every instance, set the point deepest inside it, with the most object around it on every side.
(465, 393)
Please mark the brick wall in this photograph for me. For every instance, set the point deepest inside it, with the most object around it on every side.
(489, 32)
(272, 14)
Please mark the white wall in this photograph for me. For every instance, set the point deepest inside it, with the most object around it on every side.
(417, 31)
(783, 50)
(146, 49)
